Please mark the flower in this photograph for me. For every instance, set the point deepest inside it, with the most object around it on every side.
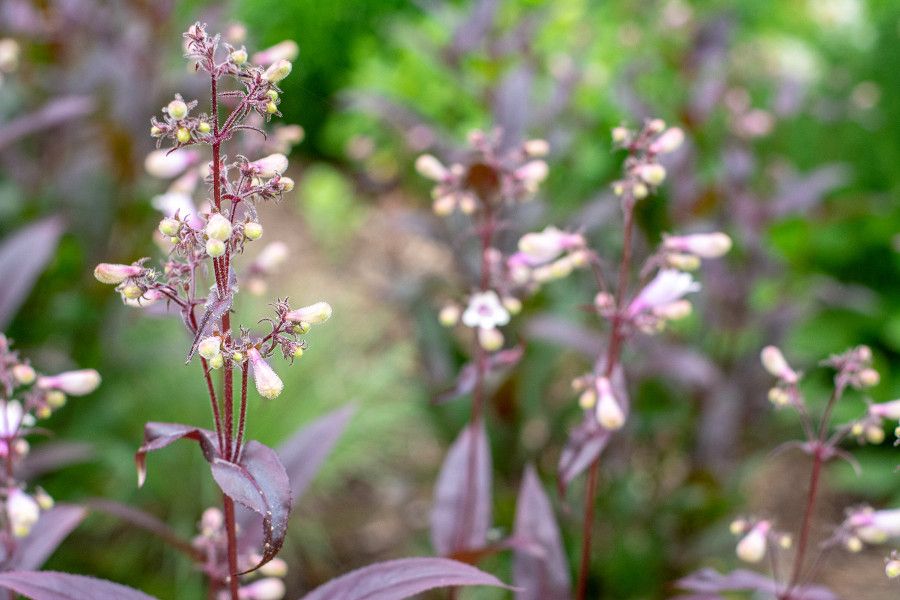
(278, 71)
(752, 547)
(210, 347)
(271, 165)
(542, 247)
(268, 384)
(669, 141)
(24, 374)
(704, 245)
(218, 227)
(253, 230)
(652, 173)
(874, 526)
(114, 273)
(165, 165)
(485, 311)
(774, 362)
(11, 416)
(74, 383)
(490, 339)
(609, 413)
(431, 168)
(886, 410)
(269, 588)
(23, 512)
(668, 286)
(286, 50)
(312, 314)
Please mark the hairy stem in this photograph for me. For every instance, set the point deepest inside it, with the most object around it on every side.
(231, 532)
(242, 422)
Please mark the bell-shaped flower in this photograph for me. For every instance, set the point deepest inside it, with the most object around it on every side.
(540, 248)
(668, 286)
(286, 50)
(269, 166)
(165, 165)
(875, 526)
(485, 311)
(73, 383)
(609, 413)
(752, 547)
(704, 245)
(11, 417)
(114, 274)
(312, 314)
(268, 383)
(774, 362)
(23, 512)
(278, 70)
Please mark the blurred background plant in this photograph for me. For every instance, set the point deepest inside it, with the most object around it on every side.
(792, 122)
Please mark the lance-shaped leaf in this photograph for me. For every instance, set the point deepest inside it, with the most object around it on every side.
(160, 435)
(302, 455)
(51, 585)
(499, 366)
(23, 256)
(461, 515)
(46, 535)
(150, 523)
(708, 584)
(589, 439)
(399, 579)
(260, 483)
(543, 575)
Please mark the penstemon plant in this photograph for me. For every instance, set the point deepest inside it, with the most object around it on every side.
(794, 571)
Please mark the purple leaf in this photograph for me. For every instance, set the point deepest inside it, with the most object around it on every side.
(51, 456)
(544, 576)
(461, 515)
(23, 256)
(160, 435)
(50, 585)
(398, 579)
(304, 453)
(55, 112)
(498, 367)
(147, 522)
(46, 535)
(708, 584)
(584, 445)
(260, 483)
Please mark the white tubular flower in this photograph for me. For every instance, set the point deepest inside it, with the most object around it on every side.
(490, 339)
(9, 55)
(312, 314)
(609, 413)
(23, 512)
(269, 588)
(149, 298)
(670, 141)
(544, 246)
(674, 311)
(874, 526)
(271, 165)
(278, 71)
(286, 50)
(774, 362)
(271, 257)
(163, 165)
(210, 347)
(485, 311)
(704, 245)
(537, 147)
(24, 374)
(532, 174)
(276, 567)
(752, 547)
(73, 383)
(667, 287)
(218, 227)
(886, 410)
(652, 174)
(268, 384)
(114, 274)
(431, 168)
(11, 416)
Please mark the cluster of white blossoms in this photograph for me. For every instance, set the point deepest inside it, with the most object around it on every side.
(25, 397)
(263, 584)
(643, 173)
(546, 256)
(755, 538)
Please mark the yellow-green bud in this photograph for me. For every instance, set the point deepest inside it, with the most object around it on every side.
(301, 328)
(271, 108)
(24, 374)
(278, 71)
(169, 226)
(253, 230)
(132, 291)
(239, 57)
(237, 357)
(215, 248)
(272, 95)
(298, 351)
(286, 183)
(43, 412)
(218, 227)
(177, 109)
(183, 135)
(56, 399)
(155, 131)
(216, 362)
(204, 127)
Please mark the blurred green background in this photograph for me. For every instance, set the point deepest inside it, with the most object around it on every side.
(793, 118)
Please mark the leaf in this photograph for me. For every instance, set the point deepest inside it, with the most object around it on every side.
(461, 515)
(708, 584)
(53, 113)
(160, 435)
(51, 585)
(584, 445)
(51, 456)
(498, 367)
(544, 576)
(259, 482)
(46, 535)
(398, 579)
(23, 256)
(147, 522)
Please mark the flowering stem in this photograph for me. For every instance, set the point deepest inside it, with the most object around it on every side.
(612, 358)
(243, 418)
(231, 532)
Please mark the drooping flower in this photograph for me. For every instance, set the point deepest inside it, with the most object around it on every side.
(704, 245)
(668, 142)
(874, 526)
(609, 413)
(286, 50)
(542, 247)
(165, 165)
(312, 314)
(268, 383)
(774, 362)
(271, 165)
(752, 547)
(668, 286)
(114, 274)
(485, 311)
(23, 512)
(886, 410)
(11, 416)
(73, 383)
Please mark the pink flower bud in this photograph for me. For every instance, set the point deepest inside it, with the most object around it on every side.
(773, 361)
(271, 257)
(23, 512)
(114, 274)
(533, 173)
(160, 163)
(704, 245)
(431, 168)
(752, 547)
(609, 413)
(886, 410)
(286, 50)
(73, 383)
(542, 247)
(312, 314)
(667, 287)
(269, 588)
(271, 165)
(669, 141)
(268, 384)
(11, 416)
(24, 374)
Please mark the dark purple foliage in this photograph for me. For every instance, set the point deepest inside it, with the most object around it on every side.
(46, 535)
(23, 256)
(499, 365)
(708, 584)
(398, 579)
(50, 585)
(541, 571)
(461, 515)
(160, 435)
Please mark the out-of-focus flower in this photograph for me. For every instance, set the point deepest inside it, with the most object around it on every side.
(431, 168)
(774, 362)
(704, 245)
(11, 416)
(269, 166)
(874, 526)
(667, 287)
(286, 50)
(269, 588)
(752, 547)
(113, 274)
(542, 247)
(312, 314)
(73, 383)
(609, 413)
(886, 410)
(268, 384)
(485, 311)
(23, 512)
(165, 165)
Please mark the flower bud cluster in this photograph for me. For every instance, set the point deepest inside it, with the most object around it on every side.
(643, 172)
(546, 256)
(657, 303)
(491, 176)
(601, 395)
(264, 583)
(178, 126)
(864, 525)
(785, 392)
(685, 252)
(485, 312)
